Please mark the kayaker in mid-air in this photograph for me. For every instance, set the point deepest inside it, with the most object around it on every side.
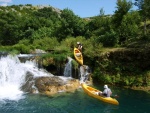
(107, 92)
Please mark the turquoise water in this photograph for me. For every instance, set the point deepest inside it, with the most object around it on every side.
(79, 102)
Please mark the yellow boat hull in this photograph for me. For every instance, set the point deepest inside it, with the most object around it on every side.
(93, 93)
(78, 56)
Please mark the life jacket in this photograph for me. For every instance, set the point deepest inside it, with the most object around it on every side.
(109, 93)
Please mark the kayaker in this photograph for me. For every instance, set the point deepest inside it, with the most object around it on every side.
(79, 46)
(107, 91)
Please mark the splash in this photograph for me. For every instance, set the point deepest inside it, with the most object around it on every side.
(84, 73)
(12, 76)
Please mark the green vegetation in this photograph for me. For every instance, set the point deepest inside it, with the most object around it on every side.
(24, 28)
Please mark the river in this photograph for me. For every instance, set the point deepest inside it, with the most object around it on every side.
(12, 100)
(79, 102)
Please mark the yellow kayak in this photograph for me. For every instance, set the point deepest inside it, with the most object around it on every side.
(78, 56)
(93, 93)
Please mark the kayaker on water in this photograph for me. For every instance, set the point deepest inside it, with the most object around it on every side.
(107, 91)
(79, 46)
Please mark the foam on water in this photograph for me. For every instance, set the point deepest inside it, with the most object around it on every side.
(12, 76)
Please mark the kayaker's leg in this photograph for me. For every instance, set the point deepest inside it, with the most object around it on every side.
(98, 93)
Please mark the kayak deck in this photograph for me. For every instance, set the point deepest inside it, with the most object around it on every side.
(78, 56)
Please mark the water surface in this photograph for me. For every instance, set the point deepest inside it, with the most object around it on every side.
(78, 102)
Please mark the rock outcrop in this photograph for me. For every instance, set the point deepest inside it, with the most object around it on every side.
(53, 85)
(49, 85)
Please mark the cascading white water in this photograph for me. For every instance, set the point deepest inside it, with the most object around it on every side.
(12, 76)
(83, 71)
(68, 68)
(84, 74)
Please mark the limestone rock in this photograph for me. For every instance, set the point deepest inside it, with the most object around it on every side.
(55, 84)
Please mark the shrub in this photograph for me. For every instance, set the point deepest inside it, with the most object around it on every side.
(45, 43)
(22, 48)
(109, 39)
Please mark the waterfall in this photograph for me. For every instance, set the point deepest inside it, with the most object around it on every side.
(84, 73)
(12, 76)
(68, 68)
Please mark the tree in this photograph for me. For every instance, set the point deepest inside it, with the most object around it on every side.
(10, 30)
(47, 13)
(139, 3)
(71, 25)
(144, 7)
(99, 24)
(129, 27)
(123, 7)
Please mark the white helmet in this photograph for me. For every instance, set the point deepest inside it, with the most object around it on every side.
(78, 42)
(105, 86)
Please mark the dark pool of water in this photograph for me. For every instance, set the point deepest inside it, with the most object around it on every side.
(79, 102)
